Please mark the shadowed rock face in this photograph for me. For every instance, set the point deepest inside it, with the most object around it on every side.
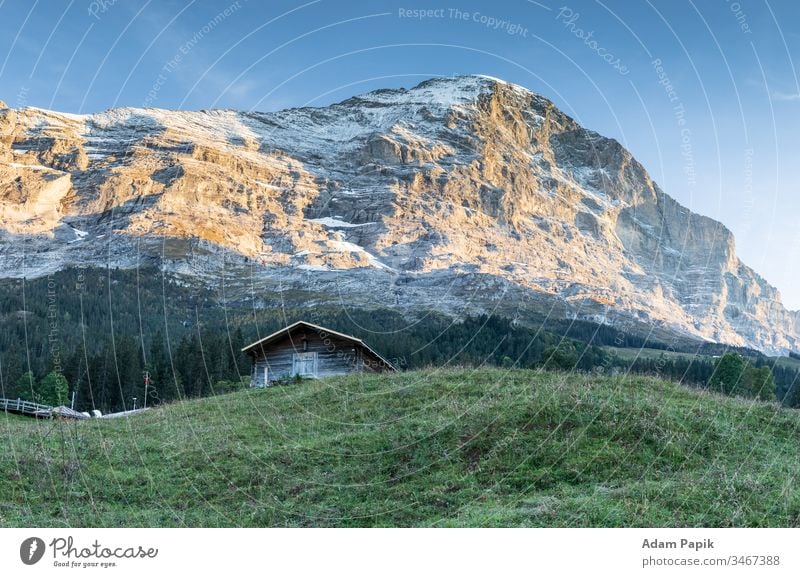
(462, 194)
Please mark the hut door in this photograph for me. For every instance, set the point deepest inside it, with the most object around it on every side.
(259, 378)
(305, 364)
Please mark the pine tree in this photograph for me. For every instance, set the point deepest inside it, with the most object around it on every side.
(54, 390)
(26, 387)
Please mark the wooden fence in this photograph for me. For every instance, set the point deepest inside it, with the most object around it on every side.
(30, 409)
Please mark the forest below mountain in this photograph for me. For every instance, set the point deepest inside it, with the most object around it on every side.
(98, 332)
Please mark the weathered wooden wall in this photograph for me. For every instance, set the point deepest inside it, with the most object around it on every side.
(335, 356)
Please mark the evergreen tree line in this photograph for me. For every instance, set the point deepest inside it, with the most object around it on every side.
(209, 362)
(108, 330)
(123, 376)
(731, 374)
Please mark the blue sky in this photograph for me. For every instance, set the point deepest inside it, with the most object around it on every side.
(704, 92)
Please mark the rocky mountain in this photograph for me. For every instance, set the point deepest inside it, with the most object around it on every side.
(461, 195)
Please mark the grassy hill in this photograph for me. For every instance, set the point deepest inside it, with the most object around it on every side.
(435, 448)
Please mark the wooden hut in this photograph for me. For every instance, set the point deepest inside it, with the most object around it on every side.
(309, 350)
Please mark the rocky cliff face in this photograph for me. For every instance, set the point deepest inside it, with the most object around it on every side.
(462, 194)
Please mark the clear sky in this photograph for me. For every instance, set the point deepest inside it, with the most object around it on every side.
(705, 93)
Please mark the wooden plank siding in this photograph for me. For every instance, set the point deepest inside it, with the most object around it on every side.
(334, 356)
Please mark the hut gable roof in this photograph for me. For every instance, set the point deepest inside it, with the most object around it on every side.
(262, 343)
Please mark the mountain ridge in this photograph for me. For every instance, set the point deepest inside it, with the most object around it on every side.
(444, 196)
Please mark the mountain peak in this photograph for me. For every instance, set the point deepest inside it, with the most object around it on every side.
(440, 90)
(470, 80)
(421, 197)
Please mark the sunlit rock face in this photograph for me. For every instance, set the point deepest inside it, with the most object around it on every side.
(462, 195)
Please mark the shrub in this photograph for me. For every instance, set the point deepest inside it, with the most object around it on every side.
(734, 375)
